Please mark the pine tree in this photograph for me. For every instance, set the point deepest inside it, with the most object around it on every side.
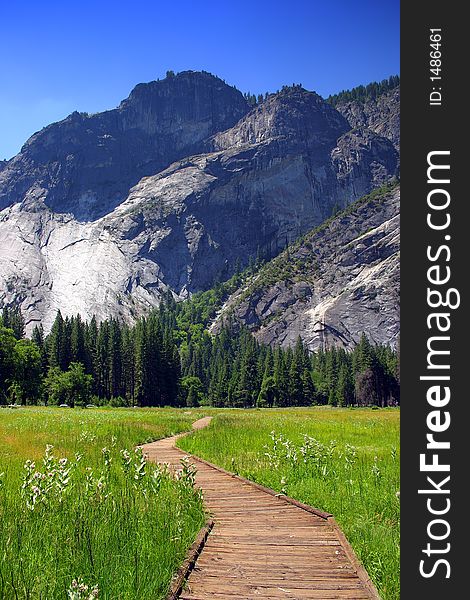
(299, 363)
(219, 393)
(77, 340)
(267, 394)
(344, 387)
(114, 359)
(38, 338)
(128, 364)
(56, 343)
(91, 352)
(280, 374)
(12, 318)
(170, 369)
(67, 344)
(364, 355)
(102, 362)
(7, 361)
(308, 389)
(295, 383)
(331, 375)
(247, 384)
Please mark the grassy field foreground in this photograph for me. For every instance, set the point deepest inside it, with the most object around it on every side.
(90, 511)
(88, 518)
(345, 461)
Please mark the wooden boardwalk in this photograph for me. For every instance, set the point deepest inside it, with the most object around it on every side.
(263, 546)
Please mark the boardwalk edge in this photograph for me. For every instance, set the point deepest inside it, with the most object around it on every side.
(184, 571)
(360, 569)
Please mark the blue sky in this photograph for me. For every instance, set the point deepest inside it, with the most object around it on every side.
(57, 57)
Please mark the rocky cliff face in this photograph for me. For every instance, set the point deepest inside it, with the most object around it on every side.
(86, 164)
(171, 190)
(337, 282)
(381, 115)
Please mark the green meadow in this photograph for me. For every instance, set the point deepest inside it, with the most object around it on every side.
(89, 518)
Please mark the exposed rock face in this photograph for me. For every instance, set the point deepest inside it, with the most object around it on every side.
(338, 282)
(381, 115)
(86, 164)
(170, 191)
(299, 119)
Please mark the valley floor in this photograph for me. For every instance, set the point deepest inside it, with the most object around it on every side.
(344, 461)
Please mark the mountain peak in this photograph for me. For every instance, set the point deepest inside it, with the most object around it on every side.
(292, 113)
(86, 164)
(102, 214)
(182, 83)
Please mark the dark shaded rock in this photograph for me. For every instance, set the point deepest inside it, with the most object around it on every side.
(252, 197)
(86, 164)
(381, 115)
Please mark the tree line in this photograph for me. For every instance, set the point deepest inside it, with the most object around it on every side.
(170, 359)
(361, 93)
(86, 362)
(230, 370)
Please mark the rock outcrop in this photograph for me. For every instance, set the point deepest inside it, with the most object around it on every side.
(172, 190)
(337, 282)
(381, 115)
(86, 164)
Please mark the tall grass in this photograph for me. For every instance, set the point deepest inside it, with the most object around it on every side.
(345, 461)
(90, 518)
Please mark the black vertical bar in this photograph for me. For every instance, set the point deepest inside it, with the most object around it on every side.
(433, 122)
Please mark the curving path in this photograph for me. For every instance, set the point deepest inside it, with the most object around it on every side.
(262, 545)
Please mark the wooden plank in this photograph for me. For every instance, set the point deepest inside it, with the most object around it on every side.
(267, 553)
(312, 595)
(297, 568)
(278, 575)
(247, 541)
(318, 584)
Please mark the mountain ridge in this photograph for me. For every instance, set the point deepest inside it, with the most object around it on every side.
(244, 181)
(103, 155)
